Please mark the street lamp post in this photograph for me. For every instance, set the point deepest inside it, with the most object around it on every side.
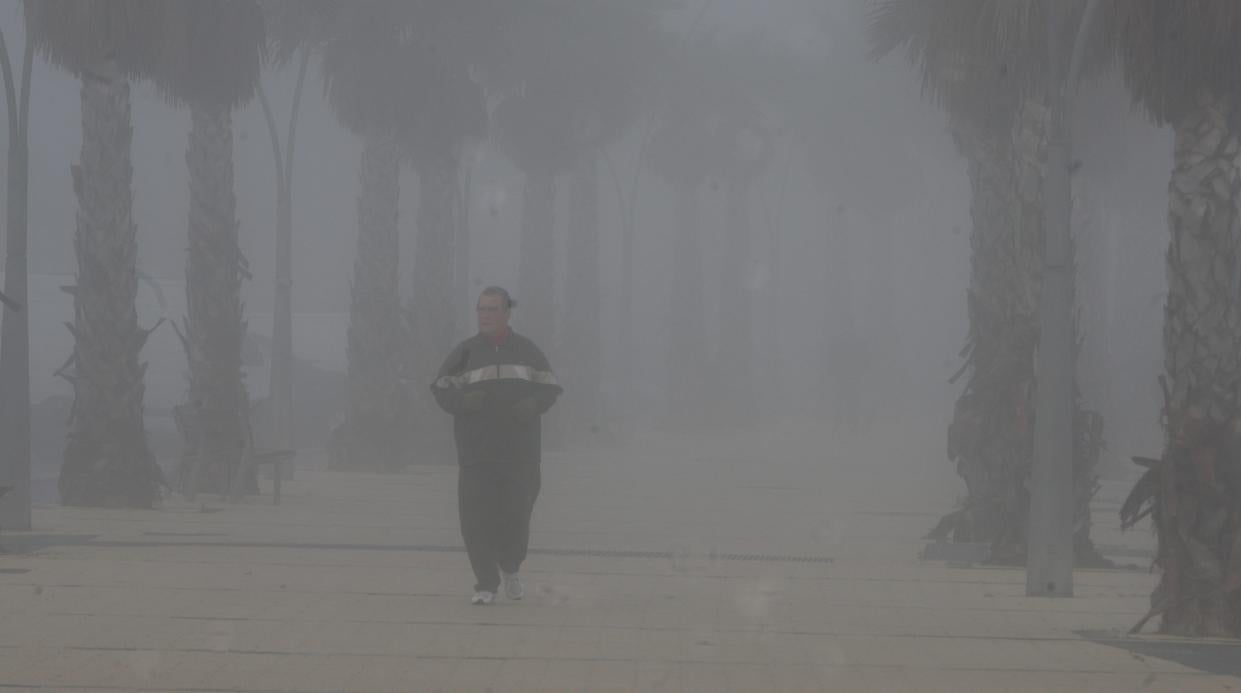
(1049, 561)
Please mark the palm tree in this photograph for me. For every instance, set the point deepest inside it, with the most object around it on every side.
(380, 61)
(681, 155)
(983, 62)
(751, 78)
(14, 320)
(215, 58)
(685, 147)
(1180, 63)
(570, 90)
(369, 52)
(442, 53)
(720, 102)
(104, 43)
(361, 65)
(534, 139)
(617, 71)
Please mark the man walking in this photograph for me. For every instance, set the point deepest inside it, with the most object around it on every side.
(497, 385)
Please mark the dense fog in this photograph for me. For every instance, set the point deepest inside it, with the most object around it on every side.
(854, 276)
(785, 258)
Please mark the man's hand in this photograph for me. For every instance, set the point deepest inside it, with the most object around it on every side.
(473, 401)
(526, 410)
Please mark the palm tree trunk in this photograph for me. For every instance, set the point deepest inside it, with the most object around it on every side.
(375, 429)
(15, 322)
(625, 362)
(107, 461)
(581, 345)
(461, 250)
(735, 352)
(990, 437)
(1199, 531)
(537, 261)
(773, 362)
(214, 326)
(431, 310)
(686, 330)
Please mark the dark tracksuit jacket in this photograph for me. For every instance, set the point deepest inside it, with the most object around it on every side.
(499, 445)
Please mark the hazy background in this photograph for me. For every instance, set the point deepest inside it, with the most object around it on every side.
(863, 228)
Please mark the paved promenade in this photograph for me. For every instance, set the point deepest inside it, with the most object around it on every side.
(772, 560)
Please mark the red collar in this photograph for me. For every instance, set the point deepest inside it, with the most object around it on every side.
(500, 339)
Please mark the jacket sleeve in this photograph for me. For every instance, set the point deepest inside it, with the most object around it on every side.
(447, 391)
(546, 388)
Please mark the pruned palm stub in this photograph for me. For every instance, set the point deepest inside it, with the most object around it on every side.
(107, 461)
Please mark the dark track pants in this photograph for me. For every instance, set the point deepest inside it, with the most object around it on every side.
(495, 502)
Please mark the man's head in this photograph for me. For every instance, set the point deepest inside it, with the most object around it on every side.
(495, 307)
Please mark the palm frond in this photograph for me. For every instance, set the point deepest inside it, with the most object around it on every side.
(77, 35)
(1171, 53)
(212, 52)
(295, 25)
(392, 67)
(1139, 502)
(572, 78)
(976, 58)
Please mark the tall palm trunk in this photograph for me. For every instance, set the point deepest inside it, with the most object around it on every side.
(439, 194)
(1194, 488)
(582, 344)
(431, 313)
(461, 249)
(990, 437)
(375, 430)
(735, 353)
(107, 461)
(686, 330)
(625, 367)
(537, 261)
(214, 326)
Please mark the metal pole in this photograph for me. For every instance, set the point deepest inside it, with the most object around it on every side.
(15, 461)
(1049, 561)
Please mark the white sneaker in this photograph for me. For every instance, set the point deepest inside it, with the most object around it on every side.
(513, 588)
(483, 598)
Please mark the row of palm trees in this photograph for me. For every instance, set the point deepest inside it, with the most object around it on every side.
(552, 84)
(984, 60)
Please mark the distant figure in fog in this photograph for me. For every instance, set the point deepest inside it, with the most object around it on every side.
(497, 385)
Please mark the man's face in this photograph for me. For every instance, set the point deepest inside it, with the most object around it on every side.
(492, 315)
